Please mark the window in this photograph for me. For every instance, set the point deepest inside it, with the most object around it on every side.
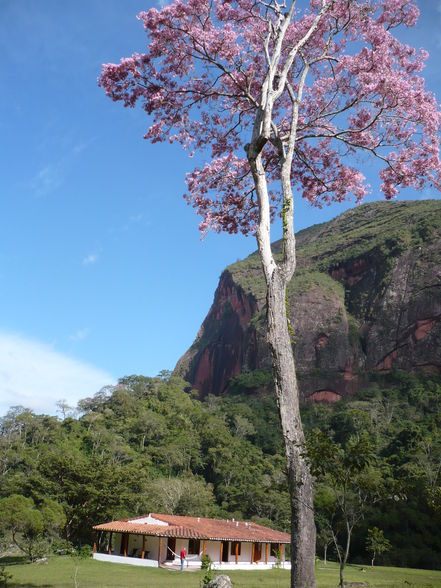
(194, 546)
(233, 547)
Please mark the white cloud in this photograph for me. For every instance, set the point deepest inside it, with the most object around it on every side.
(134, 220)
(91, 259)
(34, 375)
(50, 176)
(79, 335)
(46, 180)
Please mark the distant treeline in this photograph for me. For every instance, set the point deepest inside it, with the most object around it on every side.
(148, 445)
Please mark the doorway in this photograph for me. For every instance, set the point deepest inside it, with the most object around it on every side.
(171, 548)
(257, 552)
(124, 544)
(225, 545)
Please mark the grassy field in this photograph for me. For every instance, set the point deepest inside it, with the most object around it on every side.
(59, 573)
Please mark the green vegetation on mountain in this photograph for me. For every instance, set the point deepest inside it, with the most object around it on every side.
(366, 297)
(378, 227)
(380, 230)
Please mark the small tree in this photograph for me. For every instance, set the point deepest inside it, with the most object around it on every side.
(324, 540)
(64, 408)
(282, 98)
(434, 499)
(376, 543)
(348, 484)
(54, 519)
(19, 516)
(78, 555)
(206, 566)
(30, 528)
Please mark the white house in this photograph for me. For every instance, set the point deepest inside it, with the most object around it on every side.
(157, 539)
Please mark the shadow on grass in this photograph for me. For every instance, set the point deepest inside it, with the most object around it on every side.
(11, 560)
(28, 585)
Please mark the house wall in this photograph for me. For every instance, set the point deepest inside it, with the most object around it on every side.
(181, 544)
(134, 561)
(134, 547)
(116, 543)
(152, 545)
(135, 542)
(212, 548)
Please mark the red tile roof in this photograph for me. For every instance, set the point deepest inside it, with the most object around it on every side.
(197, 528)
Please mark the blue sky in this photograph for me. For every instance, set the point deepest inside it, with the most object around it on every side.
(102, 270)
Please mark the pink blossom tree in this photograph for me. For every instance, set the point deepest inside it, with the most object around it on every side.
(284, 96)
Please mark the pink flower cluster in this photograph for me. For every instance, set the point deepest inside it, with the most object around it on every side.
(200, 82)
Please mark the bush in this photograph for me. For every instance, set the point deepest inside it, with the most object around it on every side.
(5, 576)
(62, 547)
(83, 552)
(206, 566)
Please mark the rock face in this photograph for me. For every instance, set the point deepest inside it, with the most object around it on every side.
(226, 340)
(366, 297)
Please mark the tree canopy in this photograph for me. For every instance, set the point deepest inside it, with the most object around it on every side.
(331, 77)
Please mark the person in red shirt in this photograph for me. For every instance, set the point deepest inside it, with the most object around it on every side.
(183, 556)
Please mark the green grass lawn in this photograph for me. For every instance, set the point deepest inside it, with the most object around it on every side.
(59, 573)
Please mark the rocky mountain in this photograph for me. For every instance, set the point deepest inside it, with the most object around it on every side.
(366, 298)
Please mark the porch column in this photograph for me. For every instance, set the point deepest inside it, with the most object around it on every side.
(252, 552)
(126, 542)
(236, 552)
(266, 553)
(143, 547)
(94, 542)
(159, 550)
(203, 548)
(221, 550)
(109, 547)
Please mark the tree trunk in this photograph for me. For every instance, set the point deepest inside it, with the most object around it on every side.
(277, 276)
(344, 559)
(303, 531)
(325, 552)
(342, 565)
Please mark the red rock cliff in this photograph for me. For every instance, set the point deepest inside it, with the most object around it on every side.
(366, 297)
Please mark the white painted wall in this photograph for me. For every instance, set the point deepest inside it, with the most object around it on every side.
(133, 561)
(181, 544)
(149, 521)
(212, 548)
(152, 546)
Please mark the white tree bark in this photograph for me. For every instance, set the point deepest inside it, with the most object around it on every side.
(303, 531)
(277, 277)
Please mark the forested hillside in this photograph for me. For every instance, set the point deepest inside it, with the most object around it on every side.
(149, 444)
